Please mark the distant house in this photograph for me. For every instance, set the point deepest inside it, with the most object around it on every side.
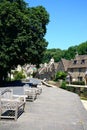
(47, 70)
(28, 70)
(63, 65)
(76, 68)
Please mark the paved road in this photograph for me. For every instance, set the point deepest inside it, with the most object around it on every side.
(54, 109)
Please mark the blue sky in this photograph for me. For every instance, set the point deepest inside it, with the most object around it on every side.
(68, 22)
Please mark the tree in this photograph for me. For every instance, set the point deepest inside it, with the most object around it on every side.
(57, 54)
(82, 48)
(70, 53)
(60, 75)
(22, 31)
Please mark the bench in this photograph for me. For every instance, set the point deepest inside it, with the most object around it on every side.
(30, 92)
(11, 106)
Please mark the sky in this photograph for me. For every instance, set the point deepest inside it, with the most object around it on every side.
(68, 22)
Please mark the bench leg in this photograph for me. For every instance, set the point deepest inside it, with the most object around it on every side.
(16, 113)
(23, 107)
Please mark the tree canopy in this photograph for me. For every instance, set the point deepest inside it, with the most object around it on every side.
(82, 48)
(22, 31)
(68, 54)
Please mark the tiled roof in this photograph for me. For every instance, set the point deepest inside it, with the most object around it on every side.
(81, 57)
(66, 63)
(80, 61)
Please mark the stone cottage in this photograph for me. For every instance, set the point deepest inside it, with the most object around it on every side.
(76, 68)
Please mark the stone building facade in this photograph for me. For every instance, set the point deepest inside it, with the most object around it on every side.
(47, 71)
(75, 68)
(78, 67)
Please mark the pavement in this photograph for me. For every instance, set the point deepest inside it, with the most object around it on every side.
(84, 102)
(54, 109)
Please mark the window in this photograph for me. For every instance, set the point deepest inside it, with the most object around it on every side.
(75, 61)
(79, 78)
(71, 69)
(83, 61)
(80, 69)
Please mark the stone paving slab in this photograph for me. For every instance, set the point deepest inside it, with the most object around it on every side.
(54, 109)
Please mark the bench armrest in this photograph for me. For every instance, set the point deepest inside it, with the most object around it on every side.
(20, 97)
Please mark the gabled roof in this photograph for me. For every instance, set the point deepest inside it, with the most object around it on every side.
(80, 57)
(66, 63)
(80, 61)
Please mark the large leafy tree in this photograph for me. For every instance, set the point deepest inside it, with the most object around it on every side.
(82, 48)
(70, 53)
(22, 31)
(57, 54)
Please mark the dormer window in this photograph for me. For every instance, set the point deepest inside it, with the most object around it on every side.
(75, 61)
(83, 61)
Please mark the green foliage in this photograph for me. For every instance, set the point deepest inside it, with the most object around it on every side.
(84, 94)
(63, 85)
(18, 75)
(82, 48)
(55, 53)
(78, 83)
(22, 31)
(60, 75)
(68, 54)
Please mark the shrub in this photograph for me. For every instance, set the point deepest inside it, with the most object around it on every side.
(60, 75)
(85, 92)
(18, 75)
(78, 83)
(63, 85)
